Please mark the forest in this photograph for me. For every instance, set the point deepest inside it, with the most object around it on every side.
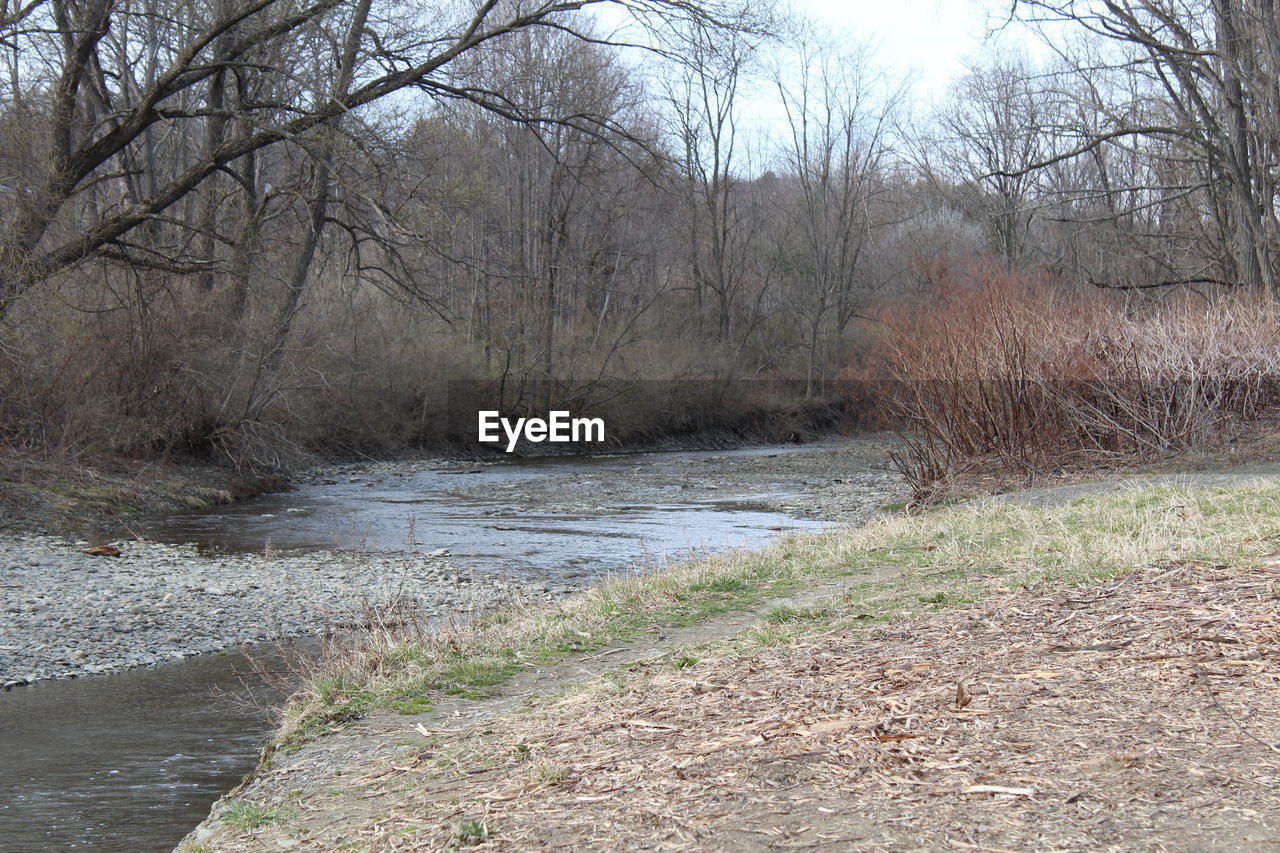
(256, 230)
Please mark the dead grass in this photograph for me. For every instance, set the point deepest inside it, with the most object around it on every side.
(1099, 675)
(1137, 714)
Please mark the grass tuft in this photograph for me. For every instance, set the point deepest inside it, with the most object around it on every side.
(245, 816)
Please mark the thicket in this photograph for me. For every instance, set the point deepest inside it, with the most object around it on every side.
(1019, 370)
(365, 374)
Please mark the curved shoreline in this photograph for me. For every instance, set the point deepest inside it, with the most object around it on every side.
(64, 613)
(953, 585)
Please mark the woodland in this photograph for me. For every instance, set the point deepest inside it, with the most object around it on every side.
(253, 231)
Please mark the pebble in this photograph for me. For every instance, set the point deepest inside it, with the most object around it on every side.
(65, 614)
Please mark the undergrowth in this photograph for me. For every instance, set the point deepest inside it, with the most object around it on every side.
(1016, 370)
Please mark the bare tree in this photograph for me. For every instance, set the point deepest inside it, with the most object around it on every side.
(97, 127)
(1213, 64)
(833, 157)
(705, 108)
(997, 124)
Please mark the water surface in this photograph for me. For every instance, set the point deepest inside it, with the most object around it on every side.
(129, 763)
(482, 518)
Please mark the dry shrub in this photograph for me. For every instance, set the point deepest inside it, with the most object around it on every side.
(147, 366)
(179, 372)
(1019, 368)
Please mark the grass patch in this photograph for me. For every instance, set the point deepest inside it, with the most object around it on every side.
(246, 816)
(470, 832)
(476, 672)
(773, 635)
(941, 558)
(385, 665)
(411, 705)
(546, 773)
(782, 614)
(721, 584)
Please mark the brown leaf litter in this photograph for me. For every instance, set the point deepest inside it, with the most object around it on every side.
(1137, 715)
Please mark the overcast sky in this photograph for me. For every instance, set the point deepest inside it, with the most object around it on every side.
(929, 38)
(926, 42)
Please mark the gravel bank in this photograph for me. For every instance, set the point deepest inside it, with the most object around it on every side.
(64, 613)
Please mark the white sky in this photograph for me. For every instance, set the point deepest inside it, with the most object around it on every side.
(924, 43)
(928, 39)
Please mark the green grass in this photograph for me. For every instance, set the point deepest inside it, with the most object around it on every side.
(781, 614)
(411, 705)
(926, 561)
(499, 645)
(470, 832)
(245, 816)
(773, 635)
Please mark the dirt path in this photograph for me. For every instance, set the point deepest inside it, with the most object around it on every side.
(1053, 495)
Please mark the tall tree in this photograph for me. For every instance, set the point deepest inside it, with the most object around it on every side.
(1213, 64)
(97, 128)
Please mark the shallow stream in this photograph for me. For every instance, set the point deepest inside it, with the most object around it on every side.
(129, 763)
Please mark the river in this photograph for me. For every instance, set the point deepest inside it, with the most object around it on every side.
(129, 762)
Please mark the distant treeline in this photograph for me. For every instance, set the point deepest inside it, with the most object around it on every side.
(254, 231)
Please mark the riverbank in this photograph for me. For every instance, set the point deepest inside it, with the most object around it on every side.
(1093, 671)
(103, 495)
(64, 613)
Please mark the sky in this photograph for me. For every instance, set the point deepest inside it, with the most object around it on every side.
(928, 39)
(923, 43)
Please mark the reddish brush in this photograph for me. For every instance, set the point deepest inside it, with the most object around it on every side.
(1019, 368)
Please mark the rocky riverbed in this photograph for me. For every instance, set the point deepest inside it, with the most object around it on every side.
(66, 613)
(843, 480)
